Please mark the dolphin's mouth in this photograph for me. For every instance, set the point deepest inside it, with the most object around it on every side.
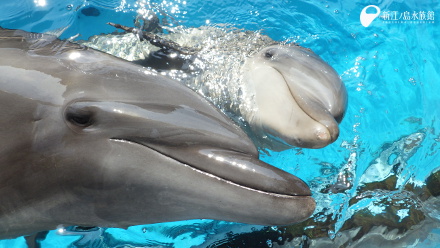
(315, 110)
(234, 167)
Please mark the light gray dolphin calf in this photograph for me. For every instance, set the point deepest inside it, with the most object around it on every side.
(89, 139)
(296, 96)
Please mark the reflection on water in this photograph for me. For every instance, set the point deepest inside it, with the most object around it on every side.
(376, 185)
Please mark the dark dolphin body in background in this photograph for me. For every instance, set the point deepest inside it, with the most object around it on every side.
(89, 139)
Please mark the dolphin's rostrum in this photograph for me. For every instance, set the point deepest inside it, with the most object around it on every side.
(88, 139)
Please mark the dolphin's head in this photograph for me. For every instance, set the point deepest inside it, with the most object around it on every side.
(297, 97)
(108, 143)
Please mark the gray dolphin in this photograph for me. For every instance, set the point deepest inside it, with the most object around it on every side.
(92, 140)
(296, 96)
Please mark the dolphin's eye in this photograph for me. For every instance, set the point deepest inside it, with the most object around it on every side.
(79, 118)
(268, 54)
(82, 121)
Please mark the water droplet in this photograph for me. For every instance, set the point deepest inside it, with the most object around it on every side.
(69, 7)
(336, 11)
(60, 229)
(269, 243)
(144, 230)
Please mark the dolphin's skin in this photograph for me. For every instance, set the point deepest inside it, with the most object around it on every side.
(91, 140)
(297, 97)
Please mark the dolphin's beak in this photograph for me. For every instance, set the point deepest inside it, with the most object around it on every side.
(314, 106)
(237, 167)
(209, 143)
(316, 88)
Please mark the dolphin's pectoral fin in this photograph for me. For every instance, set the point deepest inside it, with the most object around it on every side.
(171, 55)
(156, 40)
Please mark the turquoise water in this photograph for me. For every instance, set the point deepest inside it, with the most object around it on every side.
(391, 71)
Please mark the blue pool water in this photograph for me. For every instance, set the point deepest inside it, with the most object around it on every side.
(392, 73)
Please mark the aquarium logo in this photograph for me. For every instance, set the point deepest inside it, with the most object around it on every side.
(387, 16)
(367, 19)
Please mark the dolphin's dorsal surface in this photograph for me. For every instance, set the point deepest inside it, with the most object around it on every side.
(89, 139)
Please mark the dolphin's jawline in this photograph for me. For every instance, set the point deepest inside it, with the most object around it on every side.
(210, 174)
(290, 90)
(297, 102)
(300, 105)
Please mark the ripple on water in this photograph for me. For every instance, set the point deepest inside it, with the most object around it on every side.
(15, 9)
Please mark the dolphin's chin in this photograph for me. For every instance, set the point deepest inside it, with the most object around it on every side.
(235, 168)
(317, 138)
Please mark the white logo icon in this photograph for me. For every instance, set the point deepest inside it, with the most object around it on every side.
(366, 19)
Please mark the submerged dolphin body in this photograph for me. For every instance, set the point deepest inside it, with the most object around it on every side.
(283, 95)
(89, 139)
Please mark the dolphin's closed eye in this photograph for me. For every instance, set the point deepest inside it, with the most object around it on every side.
(269, 54)
(79, 118)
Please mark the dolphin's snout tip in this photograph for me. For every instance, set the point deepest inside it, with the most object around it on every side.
(323, 136)
(334, 132)
(298, 209)
(310, 207)
(330, 133)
